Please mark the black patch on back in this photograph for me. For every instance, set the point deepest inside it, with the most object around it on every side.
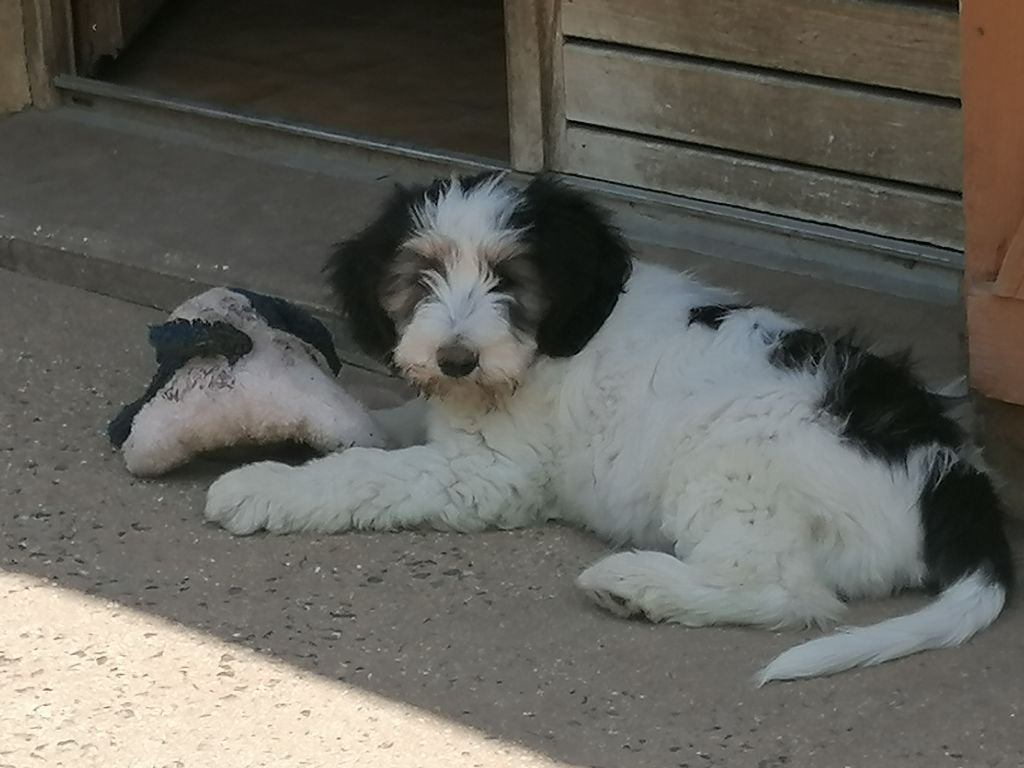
(962, 518)
(713, 315)
(285, 316)
(799, 349)
(176, 342)
(885, 410)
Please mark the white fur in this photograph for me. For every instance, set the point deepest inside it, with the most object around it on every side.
(672, 438)
(465, 232)
(282, 390)
(961, 611)
(475, 219)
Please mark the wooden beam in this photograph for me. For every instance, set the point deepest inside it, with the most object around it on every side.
(553, 81)
(536, 91)
(525, 83)
(992, 57)
(992, 53)
(49, 45)
(15, 93)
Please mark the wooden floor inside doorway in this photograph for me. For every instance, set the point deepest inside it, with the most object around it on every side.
(420, 72)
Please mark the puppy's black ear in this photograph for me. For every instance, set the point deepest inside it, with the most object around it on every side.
(357, 268)
(582, 260)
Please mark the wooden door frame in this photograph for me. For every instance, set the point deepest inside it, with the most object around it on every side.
(992, 61)
(536, 93)
(49, 47)
(61, 39)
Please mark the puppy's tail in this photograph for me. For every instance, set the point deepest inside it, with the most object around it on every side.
(963, 609)
(966, 554)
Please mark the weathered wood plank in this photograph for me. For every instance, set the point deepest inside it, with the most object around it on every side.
(525, 84)
(884, 209)
(553, 80)
(847, 129)
(49, 45)
(15, 92)
(913, 47)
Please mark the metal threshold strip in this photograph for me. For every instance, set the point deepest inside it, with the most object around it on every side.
(83, 88)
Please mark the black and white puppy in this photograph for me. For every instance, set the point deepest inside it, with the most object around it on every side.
(759, 472)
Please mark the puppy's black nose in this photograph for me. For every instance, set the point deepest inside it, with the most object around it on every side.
(456, 360)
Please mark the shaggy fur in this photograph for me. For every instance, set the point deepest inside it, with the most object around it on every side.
(760, 473)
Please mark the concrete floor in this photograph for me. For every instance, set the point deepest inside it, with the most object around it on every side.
(134, 634)
(420, 72)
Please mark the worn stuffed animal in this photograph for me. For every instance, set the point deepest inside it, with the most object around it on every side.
(239, 368)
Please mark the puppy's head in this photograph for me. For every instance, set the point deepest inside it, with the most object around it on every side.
(460, 285)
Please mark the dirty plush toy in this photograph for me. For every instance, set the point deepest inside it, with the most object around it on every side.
(238, 368)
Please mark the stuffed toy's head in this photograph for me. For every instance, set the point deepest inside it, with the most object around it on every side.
(239, 368)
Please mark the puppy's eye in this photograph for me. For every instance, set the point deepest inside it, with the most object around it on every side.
(503, 283)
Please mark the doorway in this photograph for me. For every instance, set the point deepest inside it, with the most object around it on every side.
(422, 73)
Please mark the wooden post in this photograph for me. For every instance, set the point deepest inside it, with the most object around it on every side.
(549, 16)
(523, 67)
(49, 46)
(14, 84)
(992, 61)
(536, 93)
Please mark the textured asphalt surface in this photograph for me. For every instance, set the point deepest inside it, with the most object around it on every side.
(133, 634)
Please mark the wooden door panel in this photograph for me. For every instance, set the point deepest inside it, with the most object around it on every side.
(104, 28)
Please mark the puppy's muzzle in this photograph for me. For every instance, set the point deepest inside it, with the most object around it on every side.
(457, 360)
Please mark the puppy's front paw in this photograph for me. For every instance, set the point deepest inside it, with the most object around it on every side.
(249, 499)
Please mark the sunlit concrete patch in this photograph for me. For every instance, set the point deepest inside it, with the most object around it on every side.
(88, 682)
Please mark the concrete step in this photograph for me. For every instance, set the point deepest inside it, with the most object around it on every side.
(152, 221)
(152, 213)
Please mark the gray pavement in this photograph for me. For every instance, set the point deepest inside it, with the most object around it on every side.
(135, 635)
